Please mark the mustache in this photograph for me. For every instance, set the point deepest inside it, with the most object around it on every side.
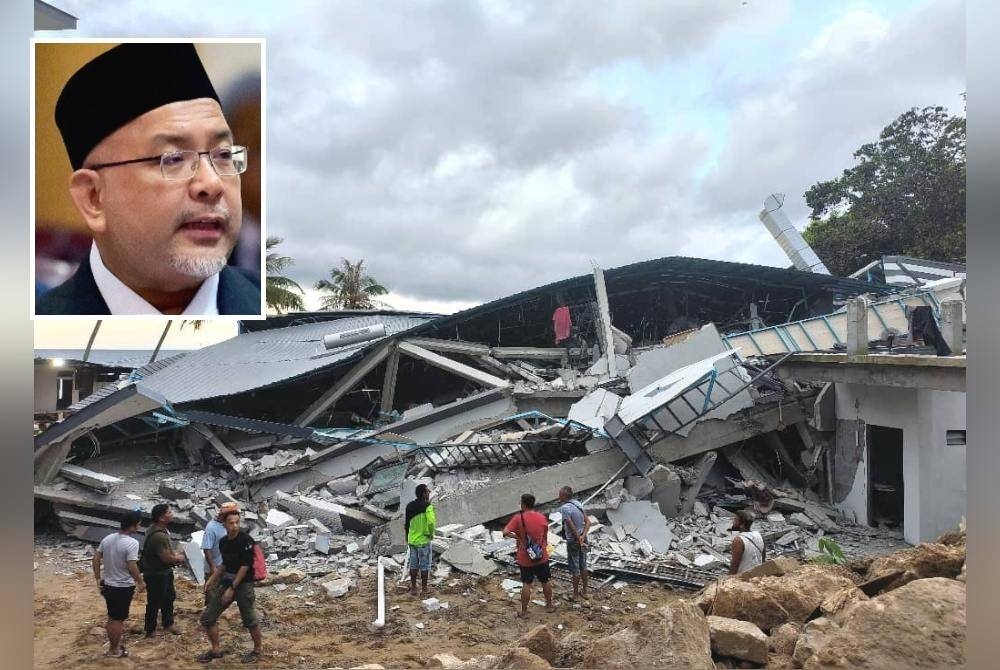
(222, 213)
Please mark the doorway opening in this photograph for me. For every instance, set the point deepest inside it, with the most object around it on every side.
(885, 476)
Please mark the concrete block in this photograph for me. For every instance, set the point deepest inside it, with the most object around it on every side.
(857, 327)
(322, 543)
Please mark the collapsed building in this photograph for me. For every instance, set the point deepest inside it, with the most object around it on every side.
(666, 393)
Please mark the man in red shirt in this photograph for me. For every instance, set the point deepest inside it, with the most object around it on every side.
(531, 526)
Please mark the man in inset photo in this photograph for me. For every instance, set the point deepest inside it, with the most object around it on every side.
(156, 179)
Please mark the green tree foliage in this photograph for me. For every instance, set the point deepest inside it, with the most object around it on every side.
(905, 196)
(282, 293)
(350, 288)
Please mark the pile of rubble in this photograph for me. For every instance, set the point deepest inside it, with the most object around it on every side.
(904, 610)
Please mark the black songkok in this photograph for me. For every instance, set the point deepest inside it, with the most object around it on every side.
(122, 84)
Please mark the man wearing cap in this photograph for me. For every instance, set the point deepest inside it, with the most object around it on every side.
(748, 546)
(156, 179)
(215, 530)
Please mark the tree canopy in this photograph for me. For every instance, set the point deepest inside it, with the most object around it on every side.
(282, 294)
(349, 287)
(905, 196)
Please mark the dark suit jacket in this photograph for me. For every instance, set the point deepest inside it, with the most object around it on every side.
(239, 293)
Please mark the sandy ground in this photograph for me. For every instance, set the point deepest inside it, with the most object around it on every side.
(302, 629)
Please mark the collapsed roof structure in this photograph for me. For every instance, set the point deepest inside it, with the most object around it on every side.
(627, 385)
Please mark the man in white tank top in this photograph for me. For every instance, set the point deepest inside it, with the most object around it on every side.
(748, 546)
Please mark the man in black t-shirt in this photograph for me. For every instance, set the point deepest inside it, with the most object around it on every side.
(232, 580)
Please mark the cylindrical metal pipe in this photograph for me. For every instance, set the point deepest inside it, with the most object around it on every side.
(336, 340)
(380, 621)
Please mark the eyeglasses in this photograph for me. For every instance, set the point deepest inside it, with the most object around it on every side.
(226, 161)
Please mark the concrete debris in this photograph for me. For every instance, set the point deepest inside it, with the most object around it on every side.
(648, 522)
(95, 480)
(278, 519)
(337, 588)
(464, 556)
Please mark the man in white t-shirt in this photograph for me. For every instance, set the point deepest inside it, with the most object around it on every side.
(215, 530)
(119, 554)
(748, 546)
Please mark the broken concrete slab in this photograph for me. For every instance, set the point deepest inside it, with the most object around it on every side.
(464, 556)
(95, 480)
(195, 557)
(666, 491)
(689, 494)
(648, 521)
(595, 408)
(278, 519)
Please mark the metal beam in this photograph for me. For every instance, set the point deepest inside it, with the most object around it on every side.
(219, 446)
(343, 385)
(543, 353)
(454, 367)
(450, 346)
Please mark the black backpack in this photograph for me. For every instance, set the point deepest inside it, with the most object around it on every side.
(142, 550)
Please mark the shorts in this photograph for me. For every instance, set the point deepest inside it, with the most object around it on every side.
(420, 557)
(576, 558)
(118, 599)
(541, 571)
(244, 600)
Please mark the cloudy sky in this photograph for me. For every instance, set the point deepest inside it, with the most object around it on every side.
(469, 150)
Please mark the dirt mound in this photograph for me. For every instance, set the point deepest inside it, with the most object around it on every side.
(919, 625)
(675, 636)
(921, 562)
(540, 642)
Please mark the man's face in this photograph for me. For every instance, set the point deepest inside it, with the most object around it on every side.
(168, 517)
(167, 234)
(233, 525)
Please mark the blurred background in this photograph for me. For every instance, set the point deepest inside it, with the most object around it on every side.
(61, 237)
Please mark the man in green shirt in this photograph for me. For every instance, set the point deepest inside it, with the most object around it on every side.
(158, 561)
(419, 525)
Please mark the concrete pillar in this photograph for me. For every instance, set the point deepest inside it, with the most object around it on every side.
(951, 325)
(857, 327)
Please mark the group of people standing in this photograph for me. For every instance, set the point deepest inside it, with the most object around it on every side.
(120, 571)
(528, 527)
(230, 553)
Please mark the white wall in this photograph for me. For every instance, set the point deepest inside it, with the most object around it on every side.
(933, 473)
(46, 388)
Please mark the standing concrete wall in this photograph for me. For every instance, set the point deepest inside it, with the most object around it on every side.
(933, 472)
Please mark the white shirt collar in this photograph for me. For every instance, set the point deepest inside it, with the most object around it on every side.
(123, 300)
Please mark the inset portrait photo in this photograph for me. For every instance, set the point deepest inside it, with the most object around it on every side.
(147, 178)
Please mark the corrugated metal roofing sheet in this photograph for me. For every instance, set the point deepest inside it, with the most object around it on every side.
(263, 358)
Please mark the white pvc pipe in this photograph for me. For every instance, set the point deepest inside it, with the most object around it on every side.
(380, 621)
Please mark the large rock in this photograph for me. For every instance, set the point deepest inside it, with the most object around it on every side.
(675, 636)
(772, 601)
(920, 562)
(445, 661)
(520, 658)
(540, 642)
(812, 636)
(737, 639)
(839, 602)
(918, 625)
(772, 567)
(783, 638)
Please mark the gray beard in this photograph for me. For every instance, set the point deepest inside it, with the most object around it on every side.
(200, 267)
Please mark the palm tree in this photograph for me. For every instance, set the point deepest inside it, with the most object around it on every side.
(281, 291)
(350, 288)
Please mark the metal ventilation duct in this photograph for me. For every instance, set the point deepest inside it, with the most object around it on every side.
(788, 237)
